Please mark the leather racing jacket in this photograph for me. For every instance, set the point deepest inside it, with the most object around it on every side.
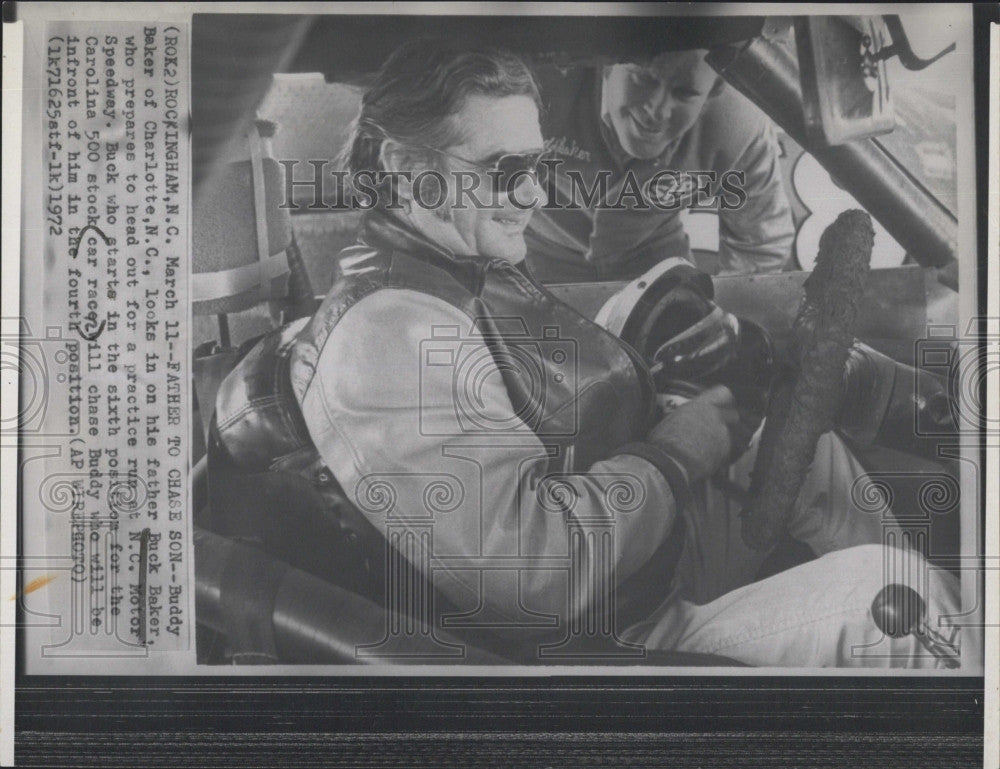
(454, 396)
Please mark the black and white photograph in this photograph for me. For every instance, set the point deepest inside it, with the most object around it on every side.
(569, 352)
(404, 351)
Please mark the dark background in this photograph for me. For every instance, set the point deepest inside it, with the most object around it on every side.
(917, 723)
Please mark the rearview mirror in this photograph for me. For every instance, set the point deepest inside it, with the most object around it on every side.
(845, 91)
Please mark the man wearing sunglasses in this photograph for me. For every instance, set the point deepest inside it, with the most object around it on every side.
(439, 378)
(636, 144)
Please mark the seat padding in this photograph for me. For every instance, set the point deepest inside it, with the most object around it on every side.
(256, 413)
(269, 485)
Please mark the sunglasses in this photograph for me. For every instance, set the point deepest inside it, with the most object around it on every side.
(507, 171)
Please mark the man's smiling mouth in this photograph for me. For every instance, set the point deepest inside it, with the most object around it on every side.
(512, 222)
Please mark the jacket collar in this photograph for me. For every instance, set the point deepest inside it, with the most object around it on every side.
(384, 232)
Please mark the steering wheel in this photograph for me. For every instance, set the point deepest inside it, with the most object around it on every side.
(804, 402)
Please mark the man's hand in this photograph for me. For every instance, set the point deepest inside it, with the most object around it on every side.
(703, 434)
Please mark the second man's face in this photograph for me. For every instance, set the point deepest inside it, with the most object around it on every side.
(652, 105)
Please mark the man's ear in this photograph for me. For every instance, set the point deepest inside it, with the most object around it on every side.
(717, 87)
(397, 159)
(391, 155)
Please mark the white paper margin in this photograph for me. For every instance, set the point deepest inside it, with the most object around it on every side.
(13, 39)
(991, 692)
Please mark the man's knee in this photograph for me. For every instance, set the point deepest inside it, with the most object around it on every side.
(862, 556)
(862, 568)
(866, 569)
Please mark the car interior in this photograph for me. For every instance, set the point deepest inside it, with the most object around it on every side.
(287, 570)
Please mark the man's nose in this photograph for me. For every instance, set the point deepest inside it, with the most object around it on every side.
(659, 104)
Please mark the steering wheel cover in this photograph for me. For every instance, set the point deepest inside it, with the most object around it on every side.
(803, 406)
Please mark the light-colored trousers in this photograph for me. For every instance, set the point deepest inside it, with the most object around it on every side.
(814, 615)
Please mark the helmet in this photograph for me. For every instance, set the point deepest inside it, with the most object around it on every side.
(669, 317)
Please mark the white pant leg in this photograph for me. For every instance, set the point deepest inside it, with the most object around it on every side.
(827, 516)
(815, 615)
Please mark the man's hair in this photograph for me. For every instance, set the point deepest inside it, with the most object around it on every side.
(420, 87)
